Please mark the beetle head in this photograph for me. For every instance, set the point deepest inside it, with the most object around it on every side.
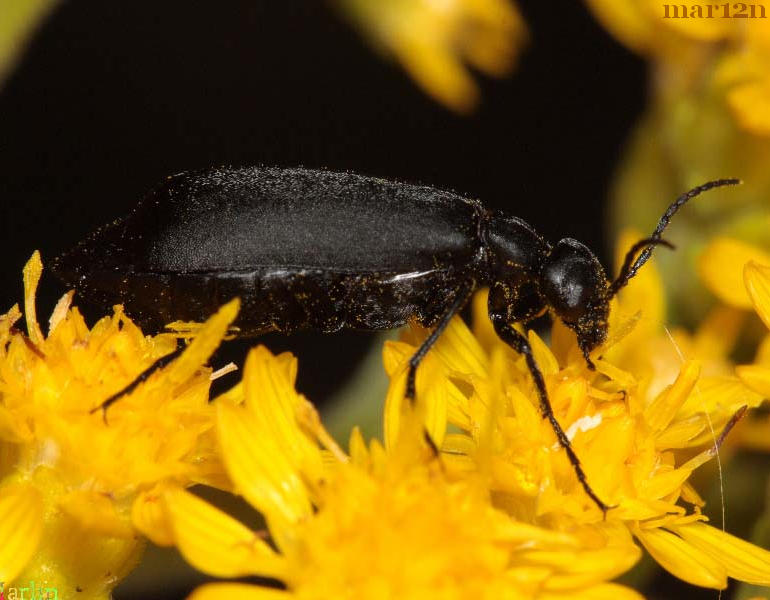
(576, 288)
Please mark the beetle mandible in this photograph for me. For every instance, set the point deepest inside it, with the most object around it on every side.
(314, 249)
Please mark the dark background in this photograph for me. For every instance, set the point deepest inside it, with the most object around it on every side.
(112, 96)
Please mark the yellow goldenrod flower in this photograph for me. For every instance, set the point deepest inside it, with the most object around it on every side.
(76, 486)
(377, 523)
(633, 443)
(433, 39)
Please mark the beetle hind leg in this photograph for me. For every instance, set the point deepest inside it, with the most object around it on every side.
(141, 378)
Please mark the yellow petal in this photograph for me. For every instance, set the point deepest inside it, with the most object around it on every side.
(261, 472)
(757, 280)
(680, 433)
(576, 569)
(32, 271)
(743, 560)
(21, 525)
(756, 377)
(394, 402)
(149, 516)
(244, 591)
(460, 350)
(662, 410)
(359, 453)
(204, 344)
(682, 559)
(431, 390)
(721, 267)
(60, 311)
(720, 395)
(96, 511)
(664, 483)
(543, 355)
(271, 398)
(750, 103)
(603, 591)
(626, 20)
(215, 543)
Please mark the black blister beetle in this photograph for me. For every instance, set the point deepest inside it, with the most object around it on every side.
(308, 249)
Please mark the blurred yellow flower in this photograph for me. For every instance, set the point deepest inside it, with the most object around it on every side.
(433, 39)
(75, 484)
(18, 20)
(636, 446)
(692, 42)
(744, 284)
(377, 523)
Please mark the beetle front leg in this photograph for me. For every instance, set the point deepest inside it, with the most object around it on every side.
(520, 344)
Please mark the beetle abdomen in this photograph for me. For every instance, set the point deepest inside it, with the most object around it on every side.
(283, 300)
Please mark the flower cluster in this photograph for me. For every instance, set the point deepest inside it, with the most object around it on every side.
(73, 480)
(375, 523)
(628, 442)
(499, 512)
(496, 512)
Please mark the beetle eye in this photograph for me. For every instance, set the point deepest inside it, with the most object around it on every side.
(572, 280)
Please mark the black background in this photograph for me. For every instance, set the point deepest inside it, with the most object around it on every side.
(112, 96)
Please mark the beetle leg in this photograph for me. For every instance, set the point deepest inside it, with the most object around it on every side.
(142, 377)
(519, 343)
(461, 297)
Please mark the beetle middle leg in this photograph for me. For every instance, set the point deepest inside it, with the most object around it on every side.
(461, 297)
(520, 344)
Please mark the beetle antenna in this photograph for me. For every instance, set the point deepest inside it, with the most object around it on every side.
(623, 275)
(627, 273)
